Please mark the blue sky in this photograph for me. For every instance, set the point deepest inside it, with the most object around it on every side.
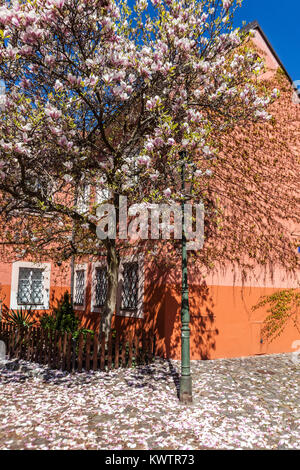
(280, 21)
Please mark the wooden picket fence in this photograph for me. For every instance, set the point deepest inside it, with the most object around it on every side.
(61, 351)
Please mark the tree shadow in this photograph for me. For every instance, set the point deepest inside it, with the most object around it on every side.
(151, 376)
(163, 304)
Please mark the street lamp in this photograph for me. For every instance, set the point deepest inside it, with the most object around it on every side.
(185, 392)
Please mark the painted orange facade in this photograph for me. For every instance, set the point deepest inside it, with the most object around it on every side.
(222, 321)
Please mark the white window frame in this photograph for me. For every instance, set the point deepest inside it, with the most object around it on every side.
(98, 264)
(102, 195)
(80, 267)
(2, 94)
(139, 312)
(15, 284)
(83, 198)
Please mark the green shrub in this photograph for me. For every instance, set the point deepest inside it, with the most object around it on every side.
(84, 332)
(65, 315)
(47, 322)
(63, 319)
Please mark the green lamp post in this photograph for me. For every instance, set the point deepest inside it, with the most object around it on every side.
(185, 392)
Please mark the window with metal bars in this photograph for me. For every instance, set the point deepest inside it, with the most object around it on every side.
(83, 199)
(79, 287)
(2, 94)
(30, 286)
(101, 286)
(130, 288)
(102, 194)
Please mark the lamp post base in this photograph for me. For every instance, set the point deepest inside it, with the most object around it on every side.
(185, 391)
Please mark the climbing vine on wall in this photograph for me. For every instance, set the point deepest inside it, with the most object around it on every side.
(283, 308)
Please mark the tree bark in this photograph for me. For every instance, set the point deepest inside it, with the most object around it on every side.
(112, 288)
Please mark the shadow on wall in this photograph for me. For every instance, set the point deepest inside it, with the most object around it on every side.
(163, 300)
(204, 332)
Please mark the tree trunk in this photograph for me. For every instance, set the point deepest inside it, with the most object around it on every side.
(112, 288)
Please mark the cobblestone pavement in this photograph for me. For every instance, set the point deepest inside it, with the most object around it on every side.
(247, 403)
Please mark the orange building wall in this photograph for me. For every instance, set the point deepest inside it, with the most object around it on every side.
(222, 321)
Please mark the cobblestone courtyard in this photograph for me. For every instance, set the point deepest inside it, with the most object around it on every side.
(247, 403)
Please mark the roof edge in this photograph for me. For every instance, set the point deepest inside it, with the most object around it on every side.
(255, 25)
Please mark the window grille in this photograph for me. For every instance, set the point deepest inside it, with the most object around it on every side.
(30, 286)
(102, 195)
(130, 287)
(42, 186)
(101, 286)
(79, 287)
(83, 199)
(2, 95)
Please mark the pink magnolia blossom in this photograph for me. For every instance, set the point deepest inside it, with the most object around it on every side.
(227, 4)
(73, 80)
(26, 50)
(52, 112)
(63, 141)
(153, 103)
(55, 130)
(50, 60)
(144, 160)
(19, 148)
(57, 3)
(171, 141)
(58, 85)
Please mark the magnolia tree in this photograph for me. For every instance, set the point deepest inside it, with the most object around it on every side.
(108, 95)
